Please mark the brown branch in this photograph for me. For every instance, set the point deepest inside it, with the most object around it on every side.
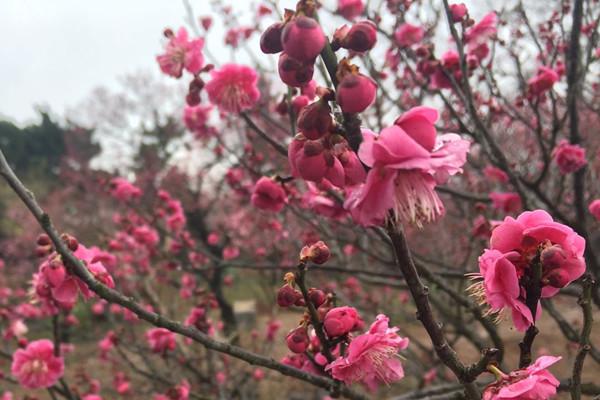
(584, 342)
(113, 296)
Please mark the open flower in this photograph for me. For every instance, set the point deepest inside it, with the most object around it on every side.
(233, 88)
(532, 383)
(36, 366)
(569, 157)
(372, 358)
(407, 161)
(181, 53)
(517, 247)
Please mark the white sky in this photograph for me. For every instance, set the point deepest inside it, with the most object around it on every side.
(54, 52)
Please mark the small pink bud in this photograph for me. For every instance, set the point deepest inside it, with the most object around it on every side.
(297, 340)
(294, 73)
(341, 321)
(315, 120)
(458, 12)
(355, 93)
(303, 39)
(361, 37)
(270, 40)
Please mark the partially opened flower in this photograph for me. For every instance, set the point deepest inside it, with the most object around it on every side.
(36, 366)
(372, 358)
(569, 157)
(181, 53)
(233, 88)
(532, 383)
(543, 81)
(407, 161)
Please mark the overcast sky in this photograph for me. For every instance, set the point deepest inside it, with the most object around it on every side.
(53, 52)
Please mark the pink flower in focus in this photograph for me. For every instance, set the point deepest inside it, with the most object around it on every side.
(233, 88)
(268, 195)
(569, 157)
(532, 383)
(407, 161)
(407, 34)
(160, 340)
(123, 190)
(372, 358)
(543, 81)
(181, 53)
(507, 202)
(350, 9)
(515, 244)
(36, 366)
(594, 209)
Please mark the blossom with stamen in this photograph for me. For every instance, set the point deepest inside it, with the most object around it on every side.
(233, 88)
(36, 366)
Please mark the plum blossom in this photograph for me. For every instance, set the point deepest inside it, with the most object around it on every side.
(233, 88)
(543, 81)
(123, 190)
(268, 195)
(342, 320)
(372, 358)
(36, 366)
(569, 157)
(350, 9)
(532, 383)
(594, 209)
(181, 53)
(515, 245)
(160, 340)
(196, 119)
(407, 34)
(407, 161)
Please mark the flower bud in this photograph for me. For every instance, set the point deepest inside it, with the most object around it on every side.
(287, 296)
(294, 73)
(557, 278)
(297, 340)
(341, 321)
(458, 12)
(361, 37)
(317, 297)
(553, 257)
(355, 93)
(43, 240)
(315, 120)
(303, 39)
(270, 40)
(317, 252)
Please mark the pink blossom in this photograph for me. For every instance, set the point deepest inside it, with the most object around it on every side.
(495, 174)
(372, 358)
(36, 366)
(181, 53)
(230, 253)
(483, 30)
(594, 209)
(514, 245)
(350, 9)
(569, 157)
(532, 383)
(160, 340)
(196, 119)
(268, 195)
(543, 81)
(507, 202)
(407, 161)
(407, 34)
(233, 88)
(123, 190)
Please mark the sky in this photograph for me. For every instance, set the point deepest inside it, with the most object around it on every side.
(53, 53)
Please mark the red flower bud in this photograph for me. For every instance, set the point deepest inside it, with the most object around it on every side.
(294, 73)
(315, 120)
(303, 39)
(361, 37)
(355, 93)
(318, 253)
(297, 340)
(270, 40)
(317, 297)
(287, 296)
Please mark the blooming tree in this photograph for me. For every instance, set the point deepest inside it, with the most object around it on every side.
(365, 164)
